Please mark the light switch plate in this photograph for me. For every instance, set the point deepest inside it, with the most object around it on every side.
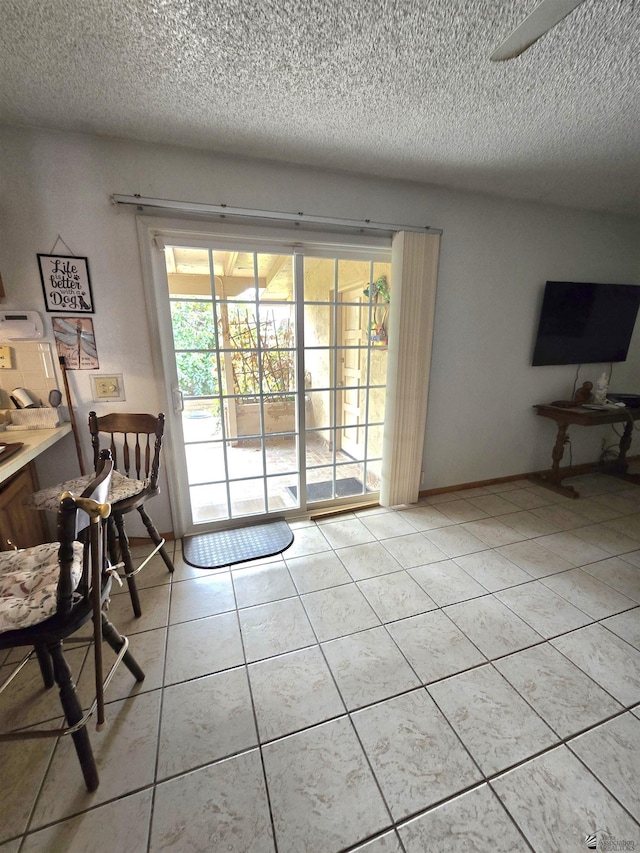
(107, 388)
(5, 357)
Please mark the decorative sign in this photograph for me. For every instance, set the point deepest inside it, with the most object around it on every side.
(66, 283)
(76, 341)
(378, 292)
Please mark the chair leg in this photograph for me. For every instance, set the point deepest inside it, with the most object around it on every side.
(125, 551)
(116, 641)
(112, 541)
(73, 713)
(155, 537)
(46, 666)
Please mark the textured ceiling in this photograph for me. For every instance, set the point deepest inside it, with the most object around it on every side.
(400, 88)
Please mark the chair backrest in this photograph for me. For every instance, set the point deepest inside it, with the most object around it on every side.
(74, 525)
(135, 441)
(97, 490)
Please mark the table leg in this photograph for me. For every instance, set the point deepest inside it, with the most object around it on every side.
(619, 468)
(557, 453)
(625, 444)
(553, 478)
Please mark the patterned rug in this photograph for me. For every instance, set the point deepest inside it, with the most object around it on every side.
(227, 547)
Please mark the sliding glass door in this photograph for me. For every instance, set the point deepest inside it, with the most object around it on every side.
(279, 361)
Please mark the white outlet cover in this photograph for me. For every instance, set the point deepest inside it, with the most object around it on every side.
(113, 379)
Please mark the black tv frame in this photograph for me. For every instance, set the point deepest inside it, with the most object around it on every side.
(585, 323)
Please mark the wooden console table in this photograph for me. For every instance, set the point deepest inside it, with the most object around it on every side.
(575, 415)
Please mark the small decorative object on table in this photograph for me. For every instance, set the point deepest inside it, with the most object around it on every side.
(602, 386)
(583, 395)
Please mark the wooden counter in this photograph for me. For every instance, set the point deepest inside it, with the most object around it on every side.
(19, 525)
(35, 442)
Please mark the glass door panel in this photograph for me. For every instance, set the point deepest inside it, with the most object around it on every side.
(234, 335)
(209, 502)
(282, 492)
(234, 319)
(247, 497)
(345, 312)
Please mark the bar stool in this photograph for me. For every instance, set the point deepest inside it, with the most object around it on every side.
(50, 591)
(135, 442)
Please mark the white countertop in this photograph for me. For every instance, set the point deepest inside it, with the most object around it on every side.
(35, 442)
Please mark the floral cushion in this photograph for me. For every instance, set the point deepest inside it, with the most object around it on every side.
(121, 487)
(28, 584)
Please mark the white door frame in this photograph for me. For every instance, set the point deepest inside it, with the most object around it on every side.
(153, 233)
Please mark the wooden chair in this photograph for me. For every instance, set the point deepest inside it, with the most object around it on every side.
(135, 441)
(50, 591)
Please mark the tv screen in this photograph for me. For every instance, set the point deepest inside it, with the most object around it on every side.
(584, 323)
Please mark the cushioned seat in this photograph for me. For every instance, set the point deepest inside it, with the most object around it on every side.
(29, 583)
(121, 487)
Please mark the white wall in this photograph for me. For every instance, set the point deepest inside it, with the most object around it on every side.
(496, 256)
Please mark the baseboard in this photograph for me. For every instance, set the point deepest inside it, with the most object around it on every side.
(568, 471)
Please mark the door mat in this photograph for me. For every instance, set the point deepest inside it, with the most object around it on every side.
(227, 547)
(322, 491)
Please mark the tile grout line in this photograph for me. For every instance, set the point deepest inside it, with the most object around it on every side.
(566, 741)
(353, 727)
(255, 719)
(543, 640)
(161, 708)
(613, 796)
(554, 746)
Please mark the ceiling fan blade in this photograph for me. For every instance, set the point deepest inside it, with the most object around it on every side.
(545, 16)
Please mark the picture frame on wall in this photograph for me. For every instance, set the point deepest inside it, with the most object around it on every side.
(66, 284)
(76, 342)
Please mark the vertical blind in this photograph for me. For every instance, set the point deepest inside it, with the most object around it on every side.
(414, 275)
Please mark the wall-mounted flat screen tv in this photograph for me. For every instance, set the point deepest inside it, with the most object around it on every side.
(584, 323)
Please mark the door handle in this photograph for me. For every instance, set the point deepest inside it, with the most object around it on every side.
(178, 400)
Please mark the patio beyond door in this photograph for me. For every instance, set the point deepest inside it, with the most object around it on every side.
(281, 377)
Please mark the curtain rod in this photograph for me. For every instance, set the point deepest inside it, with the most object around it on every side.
(223, 210)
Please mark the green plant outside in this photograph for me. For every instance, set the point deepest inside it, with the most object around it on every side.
(193, 329)
(194, 338)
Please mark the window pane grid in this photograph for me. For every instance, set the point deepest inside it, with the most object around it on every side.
(252, 338)
(342, 356)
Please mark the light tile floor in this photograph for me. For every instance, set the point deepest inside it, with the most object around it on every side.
(458, 675)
